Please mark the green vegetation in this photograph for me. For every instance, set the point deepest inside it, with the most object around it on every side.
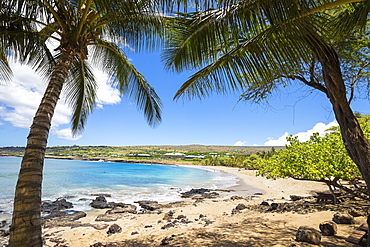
(323, 159)
(192, 154)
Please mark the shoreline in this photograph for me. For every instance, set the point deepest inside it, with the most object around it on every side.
(209, 222)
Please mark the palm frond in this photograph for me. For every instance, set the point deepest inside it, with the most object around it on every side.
(259, 53)
(81, 93)
(135, 23)
(110, 59)
(5, 70)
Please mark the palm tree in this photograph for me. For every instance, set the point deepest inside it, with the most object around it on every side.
(84, 30)
(254, 47)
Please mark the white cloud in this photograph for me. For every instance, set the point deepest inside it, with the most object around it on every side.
(20, 98)
(240, 143)
(302, 136)
(66, 134)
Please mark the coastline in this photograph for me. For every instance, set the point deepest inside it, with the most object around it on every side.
(209, 222)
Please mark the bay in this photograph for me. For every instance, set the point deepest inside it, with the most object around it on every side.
(126, 182)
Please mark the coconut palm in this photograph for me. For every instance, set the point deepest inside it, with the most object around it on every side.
(254, 47)
(86, 33)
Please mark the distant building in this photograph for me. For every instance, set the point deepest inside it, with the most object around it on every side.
(174, 154)
(194, 157)
(139, 155)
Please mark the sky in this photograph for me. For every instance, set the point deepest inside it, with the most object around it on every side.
(216, 120)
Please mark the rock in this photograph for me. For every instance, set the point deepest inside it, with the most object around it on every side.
(233, 198)
(75, 215)
(134, 233)
(309, 235)
(169, 225)
(356, 213)
(295, 197)
(126, 208)
(101, 203)
(235, 211)
(205, 193)
(264, 203)
(106, 217)
(273, 206)
(240, 206)
(59, 204)
(101, 194)
(328, 228)
(4, 233)
(66, 215)
(166, 240)
(114, 229)
(343, 218)
(149, 205)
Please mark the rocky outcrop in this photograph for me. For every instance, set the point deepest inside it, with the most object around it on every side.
(58, 205)
(149, 205)
(343, 218)
(328, 228)
(309, 235)
(114, 229)
(200, 194)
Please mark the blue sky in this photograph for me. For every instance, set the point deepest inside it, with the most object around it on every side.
(217, 120)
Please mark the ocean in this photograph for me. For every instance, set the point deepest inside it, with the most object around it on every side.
(125, 182)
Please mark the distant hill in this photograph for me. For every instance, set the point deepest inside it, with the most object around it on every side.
(135, 149)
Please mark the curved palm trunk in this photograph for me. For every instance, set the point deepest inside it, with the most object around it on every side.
(353, 137)
(26, 222)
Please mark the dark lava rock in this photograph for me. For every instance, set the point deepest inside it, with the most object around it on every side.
(328, 228)
(66, 215)
(101, 194)
(59, 204)
(149, 205)
(205, 193)
(126, 208)
(114, 229)
(240, 206)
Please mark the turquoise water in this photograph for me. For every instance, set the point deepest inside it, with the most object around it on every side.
(126, 183)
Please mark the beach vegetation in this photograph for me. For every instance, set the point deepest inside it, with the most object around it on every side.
(321, 158)
(64, 41)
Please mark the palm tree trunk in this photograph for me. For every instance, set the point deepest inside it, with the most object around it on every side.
(353, 137)
(26, 222)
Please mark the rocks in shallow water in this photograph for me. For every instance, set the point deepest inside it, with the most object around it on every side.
(309, 235)
(328, 228)
(114, 229)
(343, 218)
(101, 194)
(59, 204)
(100, 202)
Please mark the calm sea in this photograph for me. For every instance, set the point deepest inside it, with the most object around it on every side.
(126, 183)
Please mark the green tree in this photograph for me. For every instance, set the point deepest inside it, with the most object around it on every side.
(88, 32)
(322, 159)
(255, 47)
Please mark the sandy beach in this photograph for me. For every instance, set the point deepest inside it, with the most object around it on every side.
(209, 222)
